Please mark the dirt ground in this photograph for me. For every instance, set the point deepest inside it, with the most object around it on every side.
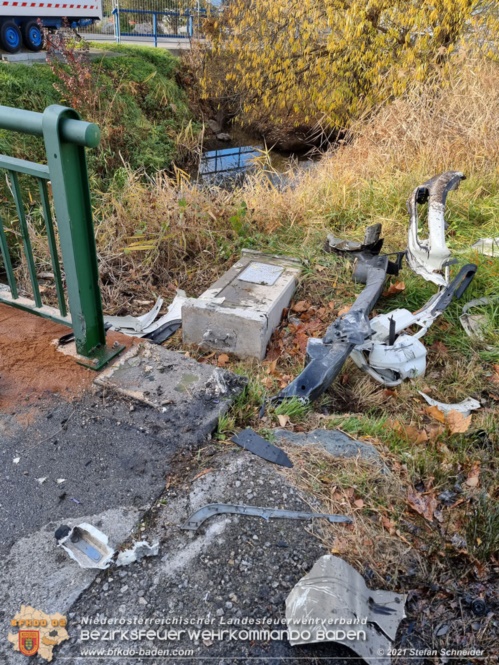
(30, 366)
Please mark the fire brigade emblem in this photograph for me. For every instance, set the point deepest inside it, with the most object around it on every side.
(29, 641)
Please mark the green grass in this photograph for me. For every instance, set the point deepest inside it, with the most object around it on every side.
(141, 109)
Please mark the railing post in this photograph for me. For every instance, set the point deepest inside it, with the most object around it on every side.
(71, 193)
(155, 28)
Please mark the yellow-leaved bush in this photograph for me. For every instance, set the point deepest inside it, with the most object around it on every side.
(304, 60)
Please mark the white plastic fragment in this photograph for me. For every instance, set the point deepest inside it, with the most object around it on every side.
(430, 256)
(87, 546)
(333, 590)
(139, 326)
(174, 313)
(16, 460)
(475, 324)
(129, 325)
(140, 550)
(59, 481)
(487, 246)
(41, 480)
(465, 407)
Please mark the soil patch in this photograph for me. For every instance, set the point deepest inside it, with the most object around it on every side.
(30, 366)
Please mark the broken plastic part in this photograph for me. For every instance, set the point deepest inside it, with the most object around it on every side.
(465, 407)
(406, 357)
(475, 324)
(335, 590)
(428, 257)
(140, 550)
(86, 545)
(250, 440)
(156, 331)
(372, 242)
(340, 339)
(166, 325)
(487, 246)
(204, 513)
(130, 325)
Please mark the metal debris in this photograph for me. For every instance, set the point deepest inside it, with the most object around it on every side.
(475, 324)
(334, 591)
(86, 545)
(140, 550)
(131, 325)
(465, 407)
(326, 356)
(390, 356)
(372, 242)
(250, 440)
(212, 509)
(429, 257)
(487, 246)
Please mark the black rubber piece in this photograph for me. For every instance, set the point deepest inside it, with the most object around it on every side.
(250, 440)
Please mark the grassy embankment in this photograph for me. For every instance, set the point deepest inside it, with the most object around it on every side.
(131, 93)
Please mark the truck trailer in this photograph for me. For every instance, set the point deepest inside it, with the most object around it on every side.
(21, 21)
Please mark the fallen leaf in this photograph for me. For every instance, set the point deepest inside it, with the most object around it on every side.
(424, 504)
(394, 289)
(359, 503)
(320, 268)
(301, 306)
(457, 422)
(434, 431)
(344, 310)
(222, 360)
(435, 413)
(438, 515)
(472, 481)
(410, 433)
(388, 524)
(283, 420)
(440, 349)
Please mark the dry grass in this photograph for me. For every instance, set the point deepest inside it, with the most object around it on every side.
(192, 233)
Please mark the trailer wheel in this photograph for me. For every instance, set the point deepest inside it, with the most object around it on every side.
(32, 36)
(10, 37)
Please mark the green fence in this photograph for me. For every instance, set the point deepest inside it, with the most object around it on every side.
(65, 137)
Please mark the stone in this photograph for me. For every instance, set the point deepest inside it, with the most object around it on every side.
(223, 136)
(336, 443)
(215, 126)
(239, 313)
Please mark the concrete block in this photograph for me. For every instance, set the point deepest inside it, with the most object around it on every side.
(239, 313)
(191, 396)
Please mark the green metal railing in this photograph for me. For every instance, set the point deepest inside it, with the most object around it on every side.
(65, 137)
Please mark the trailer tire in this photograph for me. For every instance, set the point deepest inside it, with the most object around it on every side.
(32, 36)
(10, 37)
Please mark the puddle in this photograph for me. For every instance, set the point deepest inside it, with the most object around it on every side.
(216, 164)
(227, 167)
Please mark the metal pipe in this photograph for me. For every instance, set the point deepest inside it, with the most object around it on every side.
(81, 133)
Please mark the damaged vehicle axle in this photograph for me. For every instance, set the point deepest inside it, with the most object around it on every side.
(380, 346)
